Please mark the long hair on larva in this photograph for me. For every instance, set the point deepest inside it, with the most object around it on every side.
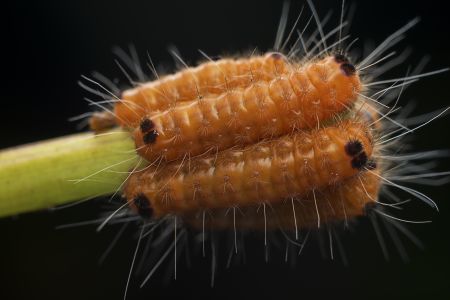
(361, 163)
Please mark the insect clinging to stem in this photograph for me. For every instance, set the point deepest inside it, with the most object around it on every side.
(289, 139)
(294, 141)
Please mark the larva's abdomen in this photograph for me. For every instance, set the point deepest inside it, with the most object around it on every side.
(270, 171)
(210, 78)
(300, 99)
(342, 201)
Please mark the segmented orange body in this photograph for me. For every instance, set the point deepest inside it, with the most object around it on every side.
(343, 201)
(302, 98)
(267, 172)
(266, 142)
(248, 132)
(209, 78)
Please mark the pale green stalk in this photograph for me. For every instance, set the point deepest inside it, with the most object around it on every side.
(67, 169)
(63, 170)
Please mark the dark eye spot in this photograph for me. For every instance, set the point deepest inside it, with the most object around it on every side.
(348, 69)
(352, 148)
(150, 137)
(146, 125)
(359, 161)
(143, 206)
(339, 58)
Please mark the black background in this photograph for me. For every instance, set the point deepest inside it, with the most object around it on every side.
(49, 44)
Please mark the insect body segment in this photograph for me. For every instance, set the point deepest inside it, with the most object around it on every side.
(289, 143)
(246, 132)
(342, 201)
(267, 172)
(213, 77)
(299, 99)
(210, 78)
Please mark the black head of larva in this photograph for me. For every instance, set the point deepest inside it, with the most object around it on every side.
(348, 69)
(150, 137)
(146, 125)
(143, 206)
(359, 161)
(353, 148)
(346, 66)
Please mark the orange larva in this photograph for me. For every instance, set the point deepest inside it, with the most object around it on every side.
(267, 172)
(209, 78)
(269, 142)
(344, 201)
(299, 99)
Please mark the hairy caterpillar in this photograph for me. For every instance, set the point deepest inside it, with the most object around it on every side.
(343, 202)
(214, 77)
(51, 43)
(266, 172)
(286, 99)
(184, 157)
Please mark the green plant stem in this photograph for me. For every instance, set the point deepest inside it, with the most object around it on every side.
(71, 168)
(63, 170)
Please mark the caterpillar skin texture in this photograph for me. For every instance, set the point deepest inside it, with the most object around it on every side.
(299, 99)
(287, 142)
(343, 201)
(214, 77)
(269, 171)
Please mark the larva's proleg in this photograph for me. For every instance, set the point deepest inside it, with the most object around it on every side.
(209, 78)
(301, 99)
(343, 201)
(290, 166)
